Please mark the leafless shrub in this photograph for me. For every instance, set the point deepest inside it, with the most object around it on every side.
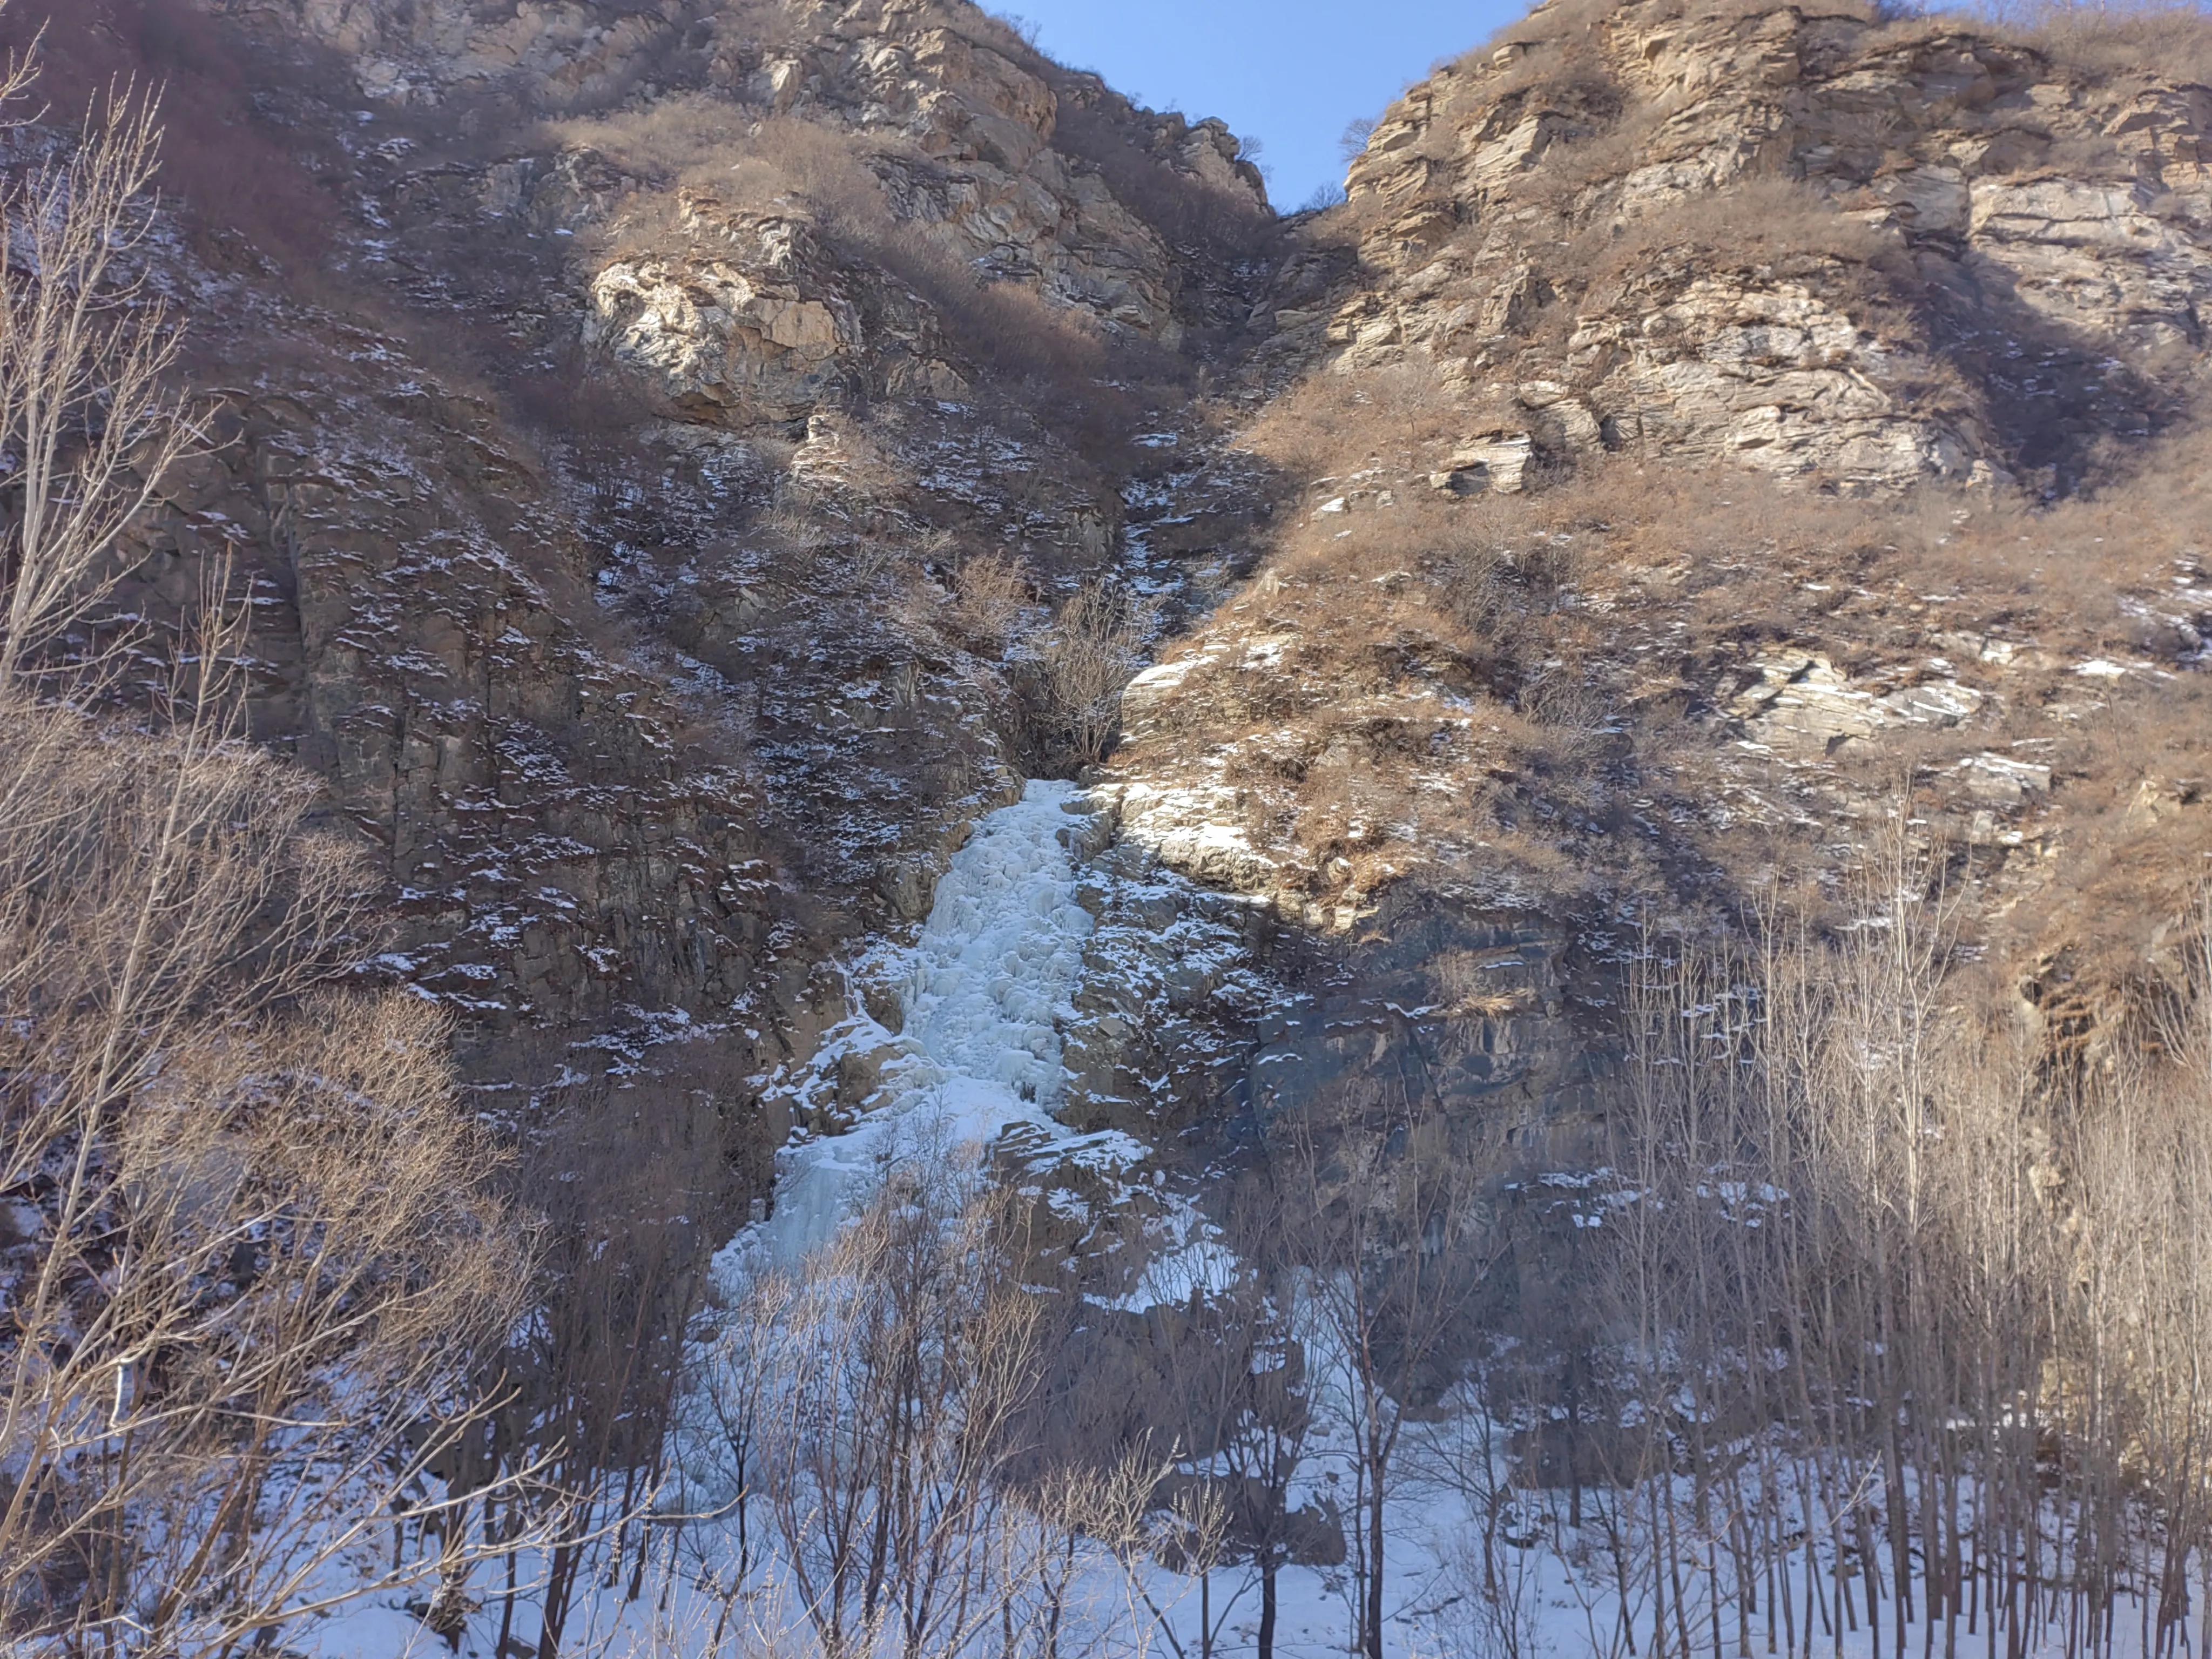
(1568, 708)
(867, 1421)
(1191, 213)
(1088, 655)
(990, 600)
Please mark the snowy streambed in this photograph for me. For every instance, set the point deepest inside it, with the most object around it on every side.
(986, 997)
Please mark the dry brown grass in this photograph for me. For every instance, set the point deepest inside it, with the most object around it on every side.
(991, 597)
(1410, 691)
(2171, 39)
(683, 138)
(1521, 679)
(1535, 31)
(1754, 223)
(1330, 425)
(2061, 570)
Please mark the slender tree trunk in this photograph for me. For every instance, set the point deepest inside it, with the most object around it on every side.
(1373, 1643)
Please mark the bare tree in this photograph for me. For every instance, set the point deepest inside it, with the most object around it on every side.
(89, 423)
(1092, 650)
(875, 1407)
(618, 1185)
(1904, 1326)
(250, 1257)
(909, 1355)
(1238, 1383)
(1385, 1222)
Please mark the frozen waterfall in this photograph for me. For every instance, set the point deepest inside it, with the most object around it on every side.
(990, 981)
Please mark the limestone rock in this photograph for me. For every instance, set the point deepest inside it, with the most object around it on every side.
(1800, 701)
(1825, 221)
(1497, 461)
(772, 334)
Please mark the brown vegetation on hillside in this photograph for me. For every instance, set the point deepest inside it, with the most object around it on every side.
(236, 181)
(1098, 129)
(2172, 35)
(1553, 681)
(1560, 653)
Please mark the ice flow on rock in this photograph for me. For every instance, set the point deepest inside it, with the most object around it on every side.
(993, 974)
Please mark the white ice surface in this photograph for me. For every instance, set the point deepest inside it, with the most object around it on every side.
(991, 981)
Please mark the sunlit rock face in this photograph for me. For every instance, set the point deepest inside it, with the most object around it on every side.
(1604, 409)
(1811, 242)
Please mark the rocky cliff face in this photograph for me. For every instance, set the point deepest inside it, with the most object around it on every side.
(657, 471)
(1813, 242)
(606, 500)
(1698, 423)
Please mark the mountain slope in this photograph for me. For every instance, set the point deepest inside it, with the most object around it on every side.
(645, 430)
(860, 592)
(660, 434)
(1704, 431)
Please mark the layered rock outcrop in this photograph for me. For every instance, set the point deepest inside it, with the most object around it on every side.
(605, 505)
(768, 336)
(1701, 431)
(1811, 241)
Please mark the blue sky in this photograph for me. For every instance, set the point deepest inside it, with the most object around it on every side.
(1289, 73)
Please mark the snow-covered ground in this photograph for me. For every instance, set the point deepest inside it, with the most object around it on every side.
(985, 995)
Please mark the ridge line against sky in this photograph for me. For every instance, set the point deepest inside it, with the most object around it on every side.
(1289, 73)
